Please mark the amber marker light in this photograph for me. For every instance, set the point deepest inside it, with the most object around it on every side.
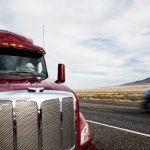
(21, 46)
(5, 44)
(13, 44)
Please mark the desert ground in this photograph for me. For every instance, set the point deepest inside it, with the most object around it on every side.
(121, 93)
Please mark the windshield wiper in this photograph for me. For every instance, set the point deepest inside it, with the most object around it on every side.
(25, 73)
(18, 72)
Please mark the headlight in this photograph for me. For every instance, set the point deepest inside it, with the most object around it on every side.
(85, 134)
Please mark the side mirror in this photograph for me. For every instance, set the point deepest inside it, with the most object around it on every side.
(61, 74)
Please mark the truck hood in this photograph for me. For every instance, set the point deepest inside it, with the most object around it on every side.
(25, 85)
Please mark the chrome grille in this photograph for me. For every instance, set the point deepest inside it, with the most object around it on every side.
(68, 120)
(37, 124)
(51, 124)
(6, 126)
(27, 125)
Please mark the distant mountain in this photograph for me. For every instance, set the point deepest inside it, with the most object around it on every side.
(140, 82)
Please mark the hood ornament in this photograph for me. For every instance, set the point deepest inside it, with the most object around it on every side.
(36, 89)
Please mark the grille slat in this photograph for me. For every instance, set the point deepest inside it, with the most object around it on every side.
(6, 126)
(27, 125)
(51, 124)
(68, 136)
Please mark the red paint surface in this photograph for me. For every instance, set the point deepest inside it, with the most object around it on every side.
(23, 85)
(12, 38)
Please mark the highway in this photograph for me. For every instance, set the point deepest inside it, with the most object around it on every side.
(117, 125)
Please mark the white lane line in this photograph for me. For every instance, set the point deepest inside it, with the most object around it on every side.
(110, 126)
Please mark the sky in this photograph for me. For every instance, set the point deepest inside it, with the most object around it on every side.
(101, 42)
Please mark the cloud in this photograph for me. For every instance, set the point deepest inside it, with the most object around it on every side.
(101, 42)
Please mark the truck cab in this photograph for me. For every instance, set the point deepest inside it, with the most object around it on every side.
(36, 113)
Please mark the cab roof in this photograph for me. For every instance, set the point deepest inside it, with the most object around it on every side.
(10, 39)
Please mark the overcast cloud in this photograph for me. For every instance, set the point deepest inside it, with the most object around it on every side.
(101, 42)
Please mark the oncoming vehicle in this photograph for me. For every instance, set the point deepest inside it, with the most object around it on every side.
(146, 102)
(35, 113)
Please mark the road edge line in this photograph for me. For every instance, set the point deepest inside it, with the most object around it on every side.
(118, 128)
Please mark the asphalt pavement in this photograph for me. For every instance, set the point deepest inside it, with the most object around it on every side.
(117, 125)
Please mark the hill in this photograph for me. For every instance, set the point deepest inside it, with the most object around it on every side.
(140, 82)
(130, 91)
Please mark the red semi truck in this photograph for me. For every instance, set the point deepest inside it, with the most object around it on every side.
(35, 113)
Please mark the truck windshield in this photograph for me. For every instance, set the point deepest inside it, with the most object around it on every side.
(27, 64)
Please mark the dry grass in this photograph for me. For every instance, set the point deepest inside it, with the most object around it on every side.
(132, 93)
